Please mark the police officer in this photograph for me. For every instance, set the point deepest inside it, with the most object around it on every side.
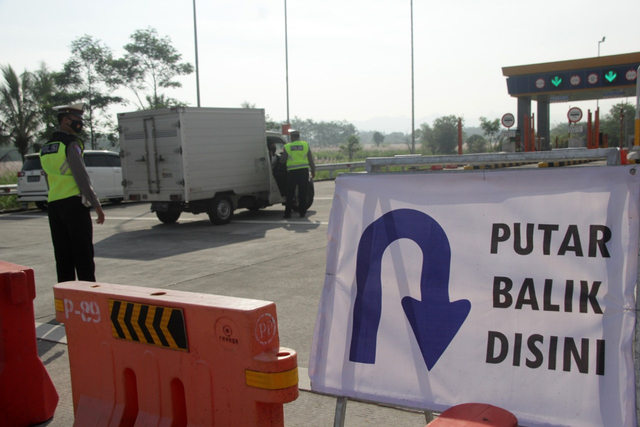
(299, 160)
(70, 195)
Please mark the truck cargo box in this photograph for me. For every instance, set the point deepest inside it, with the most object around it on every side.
(186, 154)
(212, 160)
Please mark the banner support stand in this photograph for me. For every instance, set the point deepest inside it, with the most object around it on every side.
(636, 352)
(429, 416)
(341, 411)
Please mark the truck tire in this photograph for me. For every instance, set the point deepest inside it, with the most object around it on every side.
(311, 192)
(42, 206)
(168, 217)
(221, 210)
(310, 195)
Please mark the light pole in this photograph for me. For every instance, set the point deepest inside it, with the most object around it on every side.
(601, 41)
(413, 115)
(195, 36)
(286, 54)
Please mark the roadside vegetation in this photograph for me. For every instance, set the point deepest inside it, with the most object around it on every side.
(8, 177)
(149, 69)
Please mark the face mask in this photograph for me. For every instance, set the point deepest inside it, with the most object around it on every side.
(76, 125)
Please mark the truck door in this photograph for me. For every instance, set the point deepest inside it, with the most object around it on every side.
(278, 175)
(152, 156)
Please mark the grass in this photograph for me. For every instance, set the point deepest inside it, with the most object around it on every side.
(8, 176)
(335, 155)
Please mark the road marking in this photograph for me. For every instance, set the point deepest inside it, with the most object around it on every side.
(293, 221)
(51, 332)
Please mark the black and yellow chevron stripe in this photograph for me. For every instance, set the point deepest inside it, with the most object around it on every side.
(496, 165)
(563, 163)
(148, 324)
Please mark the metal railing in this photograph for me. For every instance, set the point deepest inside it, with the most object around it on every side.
(8, 190)
(335, 167)
(611, 155)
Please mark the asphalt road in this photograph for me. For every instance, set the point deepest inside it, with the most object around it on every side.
(259, 255)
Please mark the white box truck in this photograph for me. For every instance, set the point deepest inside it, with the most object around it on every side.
(213, 160)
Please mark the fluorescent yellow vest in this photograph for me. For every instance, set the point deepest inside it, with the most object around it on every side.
(297, 152)
(53, 157)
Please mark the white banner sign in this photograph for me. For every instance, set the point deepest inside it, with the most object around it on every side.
(513, 288)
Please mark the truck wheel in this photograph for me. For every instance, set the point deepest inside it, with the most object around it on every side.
(168, 217)
(221, 210)
(310, 195)
(311, 192)
(42, 206)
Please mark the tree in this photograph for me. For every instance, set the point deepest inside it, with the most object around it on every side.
(19, 112)
(324, 134)
(476, 144)
(48, 95)
(396, 138)
(491, 128)
(89, 77)
(426, 138)
(378, 138)
(559, 135)
(151, 64)
(445, 135)
(619, 122)
(351, 147)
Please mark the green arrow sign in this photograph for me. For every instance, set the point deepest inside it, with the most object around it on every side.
(556, 81)
(610, 76)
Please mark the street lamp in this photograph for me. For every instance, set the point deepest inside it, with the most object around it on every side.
(413, 108)
(286, 53)
(195, 36)
(598, 99)
(601, 41)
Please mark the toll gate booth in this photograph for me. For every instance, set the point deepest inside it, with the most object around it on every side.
(602, 77)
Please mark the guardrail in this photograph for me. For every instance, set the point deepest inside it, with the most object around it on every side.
(376, 164)
(8, 190)
(334, 167)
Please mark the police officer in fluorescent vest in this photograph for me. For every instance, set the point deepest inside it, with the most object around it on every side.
(299, 160)
(70, 195)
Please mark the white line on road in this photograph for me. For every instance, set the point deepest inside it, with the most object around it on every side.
(294, 221)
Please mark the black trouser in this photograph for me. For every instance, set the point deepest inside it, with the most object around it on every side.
(72, 236)
(297, 178)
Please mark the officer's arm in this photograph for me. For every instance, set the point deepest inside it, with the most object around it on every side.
(76, 164)
(284, 157)
(312, 164)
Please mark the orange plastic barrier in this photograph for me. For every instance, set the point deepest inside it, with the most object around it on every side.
(27, 395)
(475, 415)
(157, 357)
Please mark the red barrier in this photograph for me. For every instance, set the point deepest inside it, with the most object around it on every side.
(157, 357)
(475, 415)
(27, 395)
(623, 156)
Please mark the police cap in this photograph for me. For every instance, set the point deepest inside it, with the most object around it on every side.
(74, 109)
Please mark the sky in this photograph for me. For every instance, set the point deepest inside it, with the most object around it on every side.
(348, 59)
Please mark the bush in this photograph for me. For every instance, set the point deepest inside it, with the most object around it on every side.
(8, 176)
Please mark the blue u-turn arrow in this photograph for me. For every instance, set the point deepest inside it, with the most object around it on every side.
(435, 320)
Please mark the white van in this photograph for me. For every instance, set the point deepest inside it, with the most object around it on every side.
(103, 168)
